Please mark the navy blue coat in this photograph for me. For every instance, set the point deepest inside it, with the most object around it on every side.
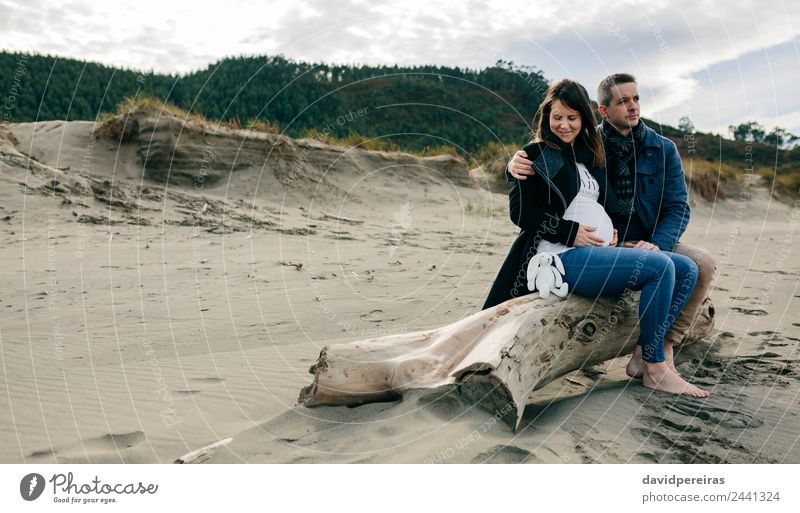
(660, 198)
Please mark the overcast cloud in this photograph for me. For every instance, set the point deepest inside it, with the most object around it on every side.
(717, 62)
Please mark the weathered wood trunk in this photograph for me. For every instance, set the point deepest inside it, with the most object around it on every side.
(499, 355)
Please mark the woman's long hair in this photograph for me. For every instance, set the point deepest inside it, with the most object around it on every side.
(572, 95)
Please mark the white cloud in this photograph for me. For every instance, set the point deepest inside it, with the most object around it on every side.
(683, 52)
(757, 86)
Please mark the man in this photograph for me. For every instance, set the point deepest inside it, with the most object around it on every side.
(651, 210)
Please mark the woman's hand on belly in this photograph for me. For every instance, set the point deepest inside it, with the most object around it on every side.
(586, 237)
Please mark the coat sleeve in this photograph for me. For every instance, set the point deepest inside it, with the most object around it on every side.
(675, 211)
(527, 212)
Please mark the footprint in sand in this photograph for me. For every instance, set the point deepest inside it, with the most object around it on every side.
(205, 381)
(115, 441)
(687, 430)
(106, 447)
(750, 311)
(209, 380)
(186, 392)
(727, 334)
(761, 368)
(767, 368)
(691, 431)
(679, 425)
(502, 454)
(733, 417)
(44, 453)
(773, 340)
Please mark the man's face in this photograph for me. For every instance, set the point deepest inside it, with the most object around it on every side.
(623, 110)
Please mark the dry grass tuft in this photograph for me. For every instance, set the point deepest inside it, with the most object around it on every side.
(121, 125)
(710, 179)
(785, 184)
(494, 157)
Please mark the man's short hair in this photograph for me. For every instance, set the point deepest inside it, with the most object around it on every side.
(604, 89)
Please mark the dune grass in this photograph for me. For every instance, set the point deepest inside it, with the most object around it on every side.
(712, 180)
(785, 183)
(494, 157)
(709, 179)
(374, 144)
(111, 122)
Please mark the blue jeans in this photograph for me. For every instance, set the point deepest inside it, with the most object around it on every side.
(665, 279)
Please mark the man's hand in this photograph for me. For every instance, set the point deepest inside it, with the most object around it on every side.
(586, 237)
(613, 240)
(642, 244)
(520, 167)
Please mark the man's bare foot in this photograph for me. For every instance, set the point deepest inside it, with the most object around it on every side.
(658, 376)
(636, 365)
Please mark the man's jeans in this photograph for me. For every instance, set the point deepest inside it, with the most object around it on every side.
(665, 279)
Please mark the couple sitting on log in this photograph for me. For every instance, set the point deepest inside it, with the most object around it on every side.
(573, 184)
(571, 187)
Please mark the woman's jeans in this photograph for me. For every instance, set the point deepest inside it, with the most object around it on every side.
(665, 279)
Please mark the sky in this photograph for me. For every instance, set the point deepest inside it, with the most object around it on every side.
(717, 62)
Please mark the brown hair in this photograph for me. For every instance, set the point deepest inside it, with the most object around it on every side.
(574, 96)
(604, 89)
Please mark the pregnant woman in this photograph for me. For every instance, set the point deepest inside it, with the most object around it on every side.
(560, 211)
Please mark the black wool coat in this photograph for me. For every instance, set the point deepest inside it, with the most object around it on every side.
(537, 205)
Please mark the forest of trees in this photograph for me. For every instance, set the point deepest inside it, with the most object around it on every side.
(752, 131)
(483, 114)
(459, 107)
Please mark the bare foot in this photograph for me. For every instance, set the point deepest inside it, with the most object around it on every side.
(658, 376)
(669, 356)
(636, 365)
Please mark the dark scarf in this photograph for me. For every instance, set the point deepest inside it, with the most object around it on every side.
(621, 163)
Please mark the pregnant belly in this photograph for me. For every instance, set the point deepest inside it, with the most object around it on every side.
(592, 214)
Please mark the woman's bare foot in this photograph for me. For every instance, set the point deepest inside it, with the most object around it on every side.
(659, 376)
(636, 365)
(669, 356)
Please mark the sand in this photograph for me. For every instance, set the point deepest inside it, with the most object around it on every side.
(145, 317)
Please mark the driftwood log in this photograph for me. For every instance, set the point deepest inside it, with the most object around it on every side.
(496, 357)
(203, 453)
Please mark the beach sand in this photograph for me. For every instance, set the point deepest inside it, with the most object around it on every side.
(144, 318)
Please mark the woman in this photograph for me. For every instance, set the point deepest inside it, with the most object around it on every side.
(561, 211)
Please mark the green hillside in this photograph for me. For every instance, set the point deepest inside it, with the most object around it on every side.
(481, 114)
(413, 107)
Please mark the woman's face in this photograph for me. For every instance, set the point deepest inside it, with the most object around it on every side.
(564, 122)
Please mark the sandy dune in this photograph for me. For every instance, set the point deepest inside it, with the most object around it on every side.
(146, 315)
